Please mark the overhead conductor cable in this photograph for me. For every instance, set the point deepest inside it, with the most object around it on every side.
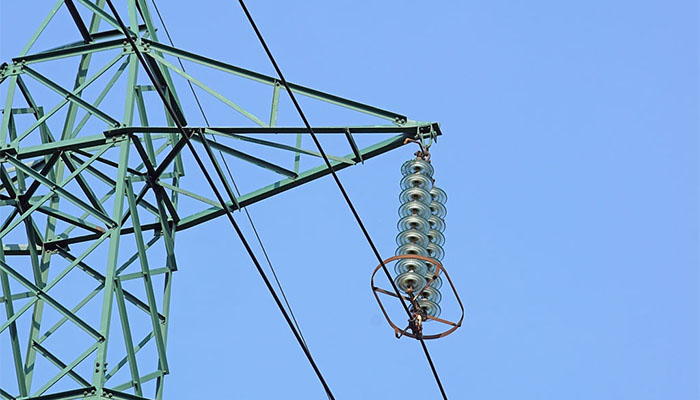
(340, 186)
(235, 186)
(249, 250)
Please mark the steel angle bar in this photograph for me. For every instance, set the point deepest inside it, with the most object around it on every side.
(192, 195)
(110, 162)
(305, 91)
(66, 370)
(67, 395)
(151, 181)
(278, 145)
(143, 260)
(80, 223)
(7, 182)
(24, 295)
(143, 116)
(209, 90)
(75, 309)
(60, 364)
(144, 379)
(112, 394)
(7, 113)
(79, 23)
(102, 14)
(98, 37)
(75, 261)
(71, 97)
(71, 51)
(124, 360)
(40, 293)
(111, 265)
(139, 275)
(64, 234)
(247, 157)
(72, 94)
(50, 162)
(102, 279)
(41, 27)
(353, 145)
(6, 396)
(286, 184)
(128, 341)
(100, 97)
(84, 143)
(410, 130)
(134, 257)
(58, 189)
(25, 214)
(84, 186)
(275, 103)
(14, 337)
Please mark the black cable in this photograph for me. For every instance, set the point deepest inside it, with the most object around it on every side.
(235, 186)
(225, 207)
(339, 184)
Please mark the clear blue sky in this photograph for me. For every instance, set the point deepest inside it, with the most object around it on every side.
(570, 158)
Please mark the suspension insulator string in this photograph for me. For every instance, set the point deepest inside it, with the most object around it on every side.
(340, 186)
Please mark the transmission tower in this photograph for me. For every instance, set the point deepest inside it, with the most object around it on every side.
(94, 191)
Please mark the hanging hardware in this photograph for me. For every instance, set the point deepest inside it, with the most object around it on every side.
(418, 259)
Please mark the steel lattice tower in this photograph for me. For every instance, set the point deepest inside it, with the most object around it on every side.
(93, 192)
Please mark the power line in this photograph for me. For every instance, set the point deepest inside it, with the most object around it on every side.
(211, 183)
(228, 170)
(339, 184)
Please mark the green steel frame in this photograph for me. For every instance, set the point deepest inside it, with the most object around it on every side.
(116, 184)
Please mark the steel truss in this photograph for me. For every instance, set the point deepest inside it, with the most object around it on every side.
(101, 197)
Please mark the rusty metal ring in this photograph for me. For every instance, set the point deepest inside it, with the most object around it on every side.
(438, 269)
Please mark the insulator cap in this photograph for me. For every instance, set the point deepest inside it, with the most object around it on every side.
(436, 237)
(438, 209)
(417, 180)
(438, 194)
(415, 208)
(431, 293)
(437, 283)
(411, 265)
(436, 223)
(415, 194)
(435, 251)
(410, 280)
(417, 166)
(412, 249)
(414, 222)
(412, 236)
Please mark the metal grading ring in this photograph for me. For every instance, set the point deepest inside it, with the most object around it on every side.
(439, 270)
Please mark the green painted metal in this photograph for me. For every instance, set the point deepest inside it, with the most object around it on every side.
(76, 192)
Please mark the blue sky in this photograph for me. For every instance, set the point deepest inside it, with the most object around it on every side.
(570, 158)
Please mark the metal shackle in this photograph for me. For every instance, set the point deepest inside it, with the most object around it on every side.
(429, 307)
